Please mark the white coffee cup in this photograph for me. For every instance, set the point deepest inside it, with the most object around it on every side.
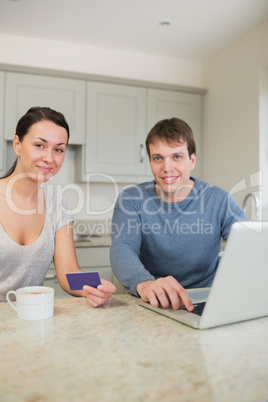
(33, 302)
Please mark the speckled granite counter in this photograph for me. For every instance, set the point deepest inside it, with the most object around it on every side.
(123, 352)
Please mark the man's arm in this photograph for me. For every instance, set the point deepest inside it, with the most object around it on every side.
(126, 265)
(126, 243)
(231, 213)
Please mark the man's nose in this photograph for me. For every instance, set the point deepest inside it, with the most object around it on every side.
(167, 166)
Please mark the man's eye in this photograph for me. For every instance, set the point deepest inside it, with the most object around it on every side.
(177, 157)
(157, 158)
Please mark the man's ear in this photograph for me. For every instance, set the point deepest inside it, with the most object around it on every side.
(193, 161)
(16, 145)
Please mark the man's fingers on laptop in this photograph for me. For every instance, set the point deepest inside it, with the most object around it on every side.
(186, 301)
(166, 292)
(172, 298)
(152, 299)
(154, 293)
(162, 296)
(162, 292)
(177, 294)
(189, 306)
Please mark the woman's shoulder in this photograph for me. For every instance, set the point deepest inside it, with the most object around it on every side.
(3, 185)
(57, 206)
(53, 196)
(55, 201)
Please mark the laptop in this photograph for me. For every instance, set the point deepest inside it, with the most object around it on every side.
(239, 291)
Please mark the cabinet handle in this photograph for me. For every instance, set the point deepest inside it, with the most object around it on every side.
(141, 153)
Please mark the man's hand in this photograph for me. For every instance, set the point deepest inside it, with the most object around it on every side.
(163, 292)
(99, 296)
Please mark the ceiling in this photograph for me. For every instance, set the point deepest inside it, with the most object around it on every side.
(198, 28)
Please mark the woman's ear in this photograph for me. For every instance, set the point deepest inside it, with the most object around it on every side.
(16, 145)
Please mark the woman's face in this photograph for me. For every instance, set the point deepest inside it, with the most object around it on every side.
(42, 150)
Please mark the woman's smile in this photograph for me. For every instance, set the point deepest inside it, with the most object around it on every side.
(45, 169)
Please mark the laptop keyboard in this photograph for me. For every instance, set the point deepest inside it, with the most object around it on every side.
(198, 308)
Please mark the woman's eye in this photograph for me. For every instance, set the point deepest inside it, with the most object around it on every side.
(40, 145)
(59, 150)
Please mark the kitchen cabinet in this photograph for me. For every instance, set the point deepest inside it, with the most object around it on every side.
(63, 94)
(163, 104)
(116, 129)
(89, 259)
(109, 121)
(2, 92)
(119, 118)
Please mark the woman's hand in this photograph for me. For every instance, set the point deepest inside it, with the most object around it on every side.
(99, 296)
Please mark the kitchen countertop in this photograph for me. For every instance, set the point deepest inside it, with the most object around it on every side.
(123, 352)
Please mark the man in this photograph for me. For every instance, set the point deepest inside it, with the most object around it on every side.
(166, 234)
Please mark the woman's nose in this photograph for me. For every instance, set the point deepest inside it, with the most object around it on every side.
(48, 155)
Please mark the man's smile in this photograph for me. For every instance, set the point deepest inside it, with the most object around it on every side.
(169, 179)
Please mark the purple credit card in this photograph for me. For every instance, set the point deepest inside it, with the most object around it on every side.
(77, 280)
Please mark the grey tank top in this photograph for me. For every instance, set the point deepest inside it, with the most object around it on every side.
(27, 265)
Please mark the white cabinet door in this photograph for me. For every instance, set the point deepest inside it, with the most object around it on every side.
(164, 104)
(2, 83)
(63, 94)
(116, 129)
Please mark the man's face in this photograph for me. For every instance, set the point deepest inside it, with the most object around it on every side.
(171, 167)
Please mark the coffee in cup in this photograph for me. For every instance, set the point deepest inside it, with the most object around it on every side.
(33, 302)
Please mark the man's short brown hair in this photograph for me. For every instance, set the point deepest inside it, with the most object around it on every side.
(172, 131)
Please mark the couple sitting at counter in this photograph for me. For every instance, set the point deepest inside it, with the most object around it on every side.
(166, 234)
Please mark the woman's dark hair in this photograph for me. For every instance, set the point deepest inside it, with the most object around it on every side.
(172, 131)
(35, 115)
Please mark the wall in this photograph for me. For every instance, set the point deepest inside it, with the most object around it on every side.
(97, 201)
(263, 145)
(65, 56)
(231, 124)
(231, 110)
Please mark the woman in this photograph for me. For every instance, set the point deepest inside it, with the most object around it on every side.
(35, 226)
